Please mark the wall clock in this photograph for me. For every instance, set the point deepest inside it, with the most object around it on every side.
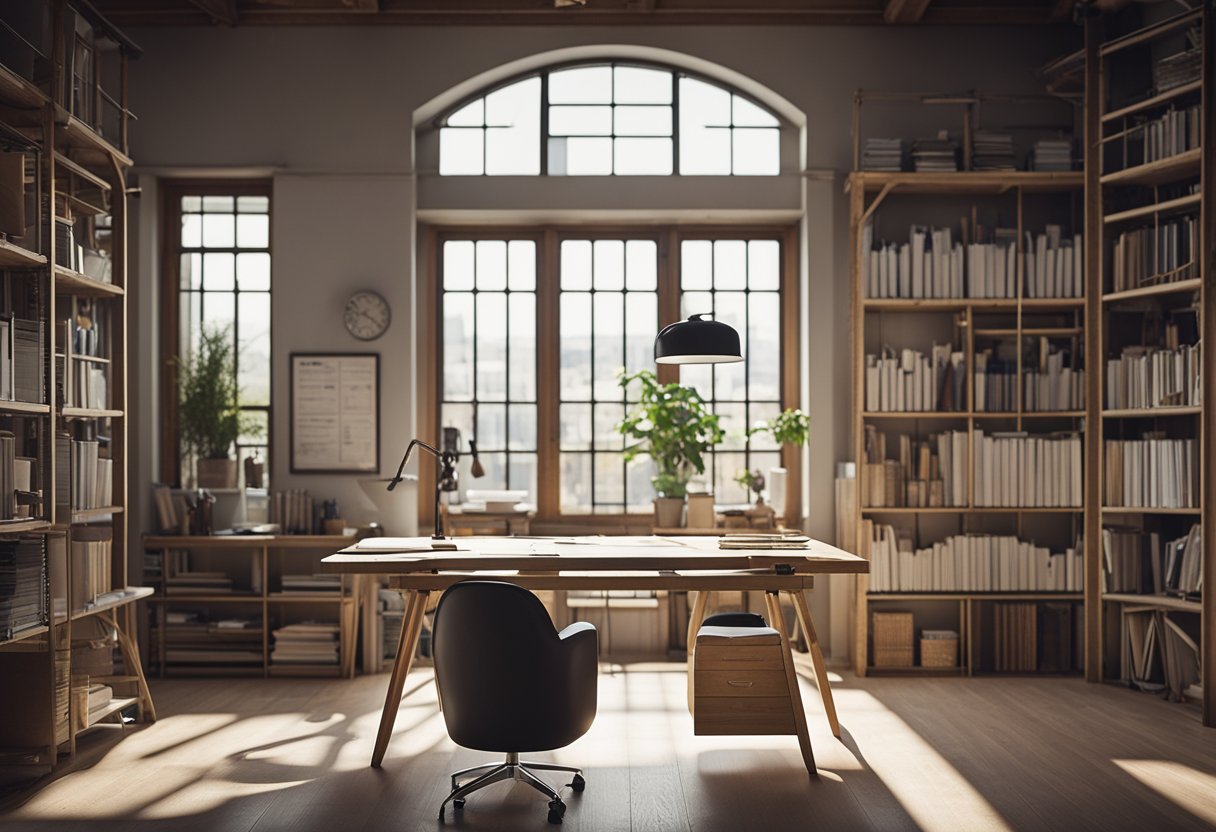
(367, 315)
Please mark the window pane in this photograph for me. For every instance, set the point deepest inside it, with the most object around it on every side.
(641, 265)
(763, 413)
(696, 264)
(461, 151)
(219, 311)
(639, 492)
(191, 276)
(459, 416)
(219, 272)
(575, 429)
(726, 467)
(609, 483)
(491, 426)
(576, 265)
(642, 121)
(218, 230)
(575, 483)
(609, 344)
(513, 140)
(217, 204)
(491, 346)
(491, 266)
(588, 157)
(580, 121)
(764, 346)
(253, 230)
(458, 269)
(637, 85)
(576, 346)
(521, 475)
(521, 427)
(757, 152)
(609, 265)
(255, 428)
(732, 416)
(523, 346)
(457, 345)
(704, 151)
(730, 264)
(581, 85)
(641, 325)
(607, 417)
(521, 265)
(763, 265)
(642, 157)
(253, 272)
(470, 115)
(703, 104)
(192, 231)
(495, 465)
(253, 204)
(192, 203)
(747, 114)
(730, 379)
(253, 358)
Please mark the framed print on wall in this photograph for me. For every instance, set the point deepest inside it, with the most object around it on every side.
(335, 413)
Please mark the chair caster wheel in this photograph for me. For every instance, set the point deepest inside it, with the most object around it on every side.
(578, 783)
(458, 803)
(556, 810)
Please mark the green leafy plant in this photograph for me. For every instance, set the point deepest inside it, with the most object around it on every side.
(792, 427)
(210, 419)
(673, 426)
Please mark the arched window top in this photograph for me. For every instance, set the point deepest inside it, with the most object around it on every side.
(610, 118)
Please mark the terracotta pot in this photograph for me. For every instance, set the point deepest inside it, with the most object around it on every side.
(216, 473)
(668, 512)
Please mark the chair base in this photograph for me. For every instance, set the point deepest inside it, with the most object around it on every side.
(511, 769)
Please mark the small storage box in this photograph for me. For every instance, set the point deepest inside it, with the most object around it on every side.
(892, 632)
(739, 683)
(939, 648)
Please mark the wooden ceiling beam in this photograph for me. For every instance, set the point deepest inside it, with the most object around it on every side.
(905, 11)
(219, 11)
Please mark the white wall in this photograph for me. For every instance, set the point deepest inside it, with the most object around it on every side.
(331, 112)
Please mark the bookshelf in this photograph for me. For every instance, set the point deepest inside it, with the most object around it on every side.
(63, 269)
(226, 605)
(1001, 321)
(1150, 206)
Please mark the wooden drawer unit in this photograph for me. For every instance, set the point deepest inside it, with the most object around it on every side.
(740, 683)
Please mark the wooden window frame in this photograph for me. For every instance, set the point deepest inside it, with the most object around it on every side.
(548, 240)
(171, 192)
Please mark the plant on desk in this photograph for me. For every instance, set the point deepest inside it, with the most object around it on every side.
(673, 426)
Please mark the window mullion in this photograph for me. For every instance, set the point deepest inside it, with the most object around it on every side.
(548, 377)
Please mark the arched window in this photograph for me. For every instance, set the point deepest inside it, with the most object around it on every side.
(604, 119)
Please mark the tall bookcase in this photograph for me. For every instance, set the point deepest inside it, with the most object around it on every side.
(63, 106)
(1016, 622)
(1151, 211)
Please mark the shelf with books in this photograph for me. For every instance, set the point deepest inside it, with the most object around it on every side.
(73, 282)
(129, 596)
(962, 596)
(90, 413)
(1150, 205)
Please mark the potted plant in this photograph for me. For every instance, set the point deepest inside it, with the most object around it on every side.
(210, 417)
(790, 427)
(673, 426)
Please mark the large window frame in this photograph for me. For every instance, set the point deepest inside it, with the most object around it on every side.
(548, 240)
(171, 192)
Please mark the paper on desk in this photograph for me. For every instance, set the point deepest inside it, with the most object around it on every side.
(407, 544)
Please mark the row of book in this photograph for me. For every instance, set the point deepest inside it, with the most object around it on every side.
(190, 638)
(80, 364)
(1152, 472)
(1174, 131)
(971, 563)
(1054, 385)
(312, 583)
(925, 473)
(23, 584)
(990, 151)
(932, 264)
(1147, 377)
(1052, 155)
(912, 380)
(305, 643)
(294, 511)
(92, 475)
(1014, 469)
(71, 253)
(21, 354)
(1031, 637)
(1161, 653)
(1162, 253)
(18, 497)
(1139, 561)
(91, 551)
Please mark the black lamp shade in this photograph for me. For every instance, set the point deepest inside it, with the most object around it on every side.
(697, 341)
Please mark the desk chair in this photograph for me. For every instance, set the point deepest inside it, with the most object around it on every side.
(509, 682)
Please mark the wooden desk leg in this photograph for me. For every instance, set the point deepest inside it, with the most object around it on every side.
(411, 629)
(696, 614)
(821, 672)
(777, 622)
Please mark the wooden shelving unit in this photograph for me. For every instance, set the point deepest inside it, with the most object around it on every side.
(1021, 195)
(1124, 193)
(259, 561)
(77, 134)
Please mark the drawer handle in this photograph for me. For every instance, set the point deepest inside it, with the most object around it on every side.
(740, 684)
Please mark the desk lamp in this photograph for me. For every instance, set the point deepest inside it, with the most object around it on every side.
(446, 478)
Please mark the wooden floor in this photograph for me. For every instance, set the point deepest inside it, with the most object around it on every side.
(930, 754)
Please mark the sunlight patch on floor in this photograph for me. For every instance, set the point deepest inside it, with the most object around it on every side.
(1187, 787)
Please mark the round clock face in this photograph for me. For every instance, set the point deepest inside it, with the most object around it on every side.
(367, 315)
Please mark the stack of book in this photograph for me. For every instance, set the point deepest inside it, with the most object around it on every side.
(1177, 69)
(971, 563)
(928, 473)
(992, 266)
(1015, 470)
(1147, 377)
(306, 643)
(889, 155)
(81, 367)
(23, 584)
(992, 151)
(929, 265)
(1135, 560)
(90, 554)
(1054, 264)
(92, 476)
(1055, 384)
(935, 155)
(189, 639)
(996, 377)
(1165, 252)
(312, 583)
(913, 381)
(26, 373)
(1153, 472)
(1174, 132)
(293, 511)
(198, 583)
(1052, 155)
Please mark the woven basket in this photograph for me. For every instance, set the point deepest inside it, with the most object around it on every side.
(939, 652)
(892, 639)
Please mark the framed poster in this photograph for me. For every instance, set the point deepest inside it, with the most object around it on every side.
(335, 413)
